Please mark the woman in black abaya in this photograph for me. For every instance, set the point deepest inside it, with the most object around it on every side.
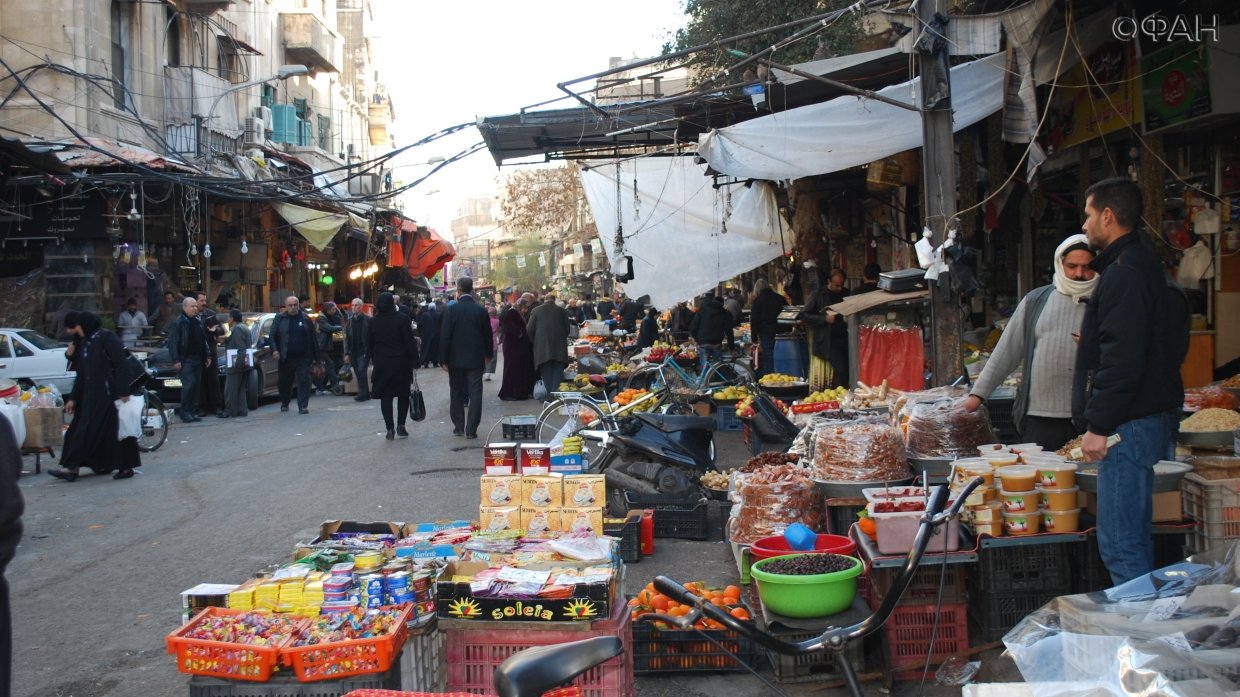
(103, 377)
(393, 352)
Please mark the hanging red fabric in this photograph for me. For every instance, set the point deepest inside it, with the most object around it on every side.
(894, 354)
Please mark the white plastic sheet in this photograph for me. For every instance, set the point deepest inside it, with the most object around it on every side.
(684, 235)
(847, 131)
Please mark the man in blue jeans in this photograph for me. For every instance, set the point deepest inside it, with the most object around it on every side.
(1127, 378)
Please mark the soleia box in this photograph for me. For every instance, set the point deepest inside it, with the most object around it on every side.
(500, 458)
(535, 458)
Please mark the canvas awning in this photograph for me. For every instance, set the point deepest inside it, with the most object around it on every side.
(847, 131)
(429, 252)
(318, 227)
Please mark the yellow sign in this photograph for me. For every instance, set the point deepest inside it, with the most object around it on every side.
(1095, 97)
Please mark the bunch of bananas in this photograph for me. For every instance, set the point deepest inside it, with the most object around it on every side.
(572, 445)
(778, 379)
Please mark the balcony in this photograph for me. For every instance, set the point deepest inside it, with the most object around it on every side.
(307, 40)
(206, 7)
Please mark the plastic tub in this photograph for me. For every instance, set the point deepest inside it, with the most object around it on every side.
(1058, 499)
(981, 495)
(1018, 478)
(777, 545)
(1021, 523)
(1022, 448)
(991, 449)
(966, 472)
(988, 512)
(1060, 475)
(814, 595)
(1018, 501)
(895, 532)
(1061, 521)
(994, 529)
(1003, 459)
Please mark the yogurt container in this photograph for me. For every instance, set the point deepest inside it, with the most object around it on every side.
(1018, 501)
(1058, 499)
(1004, 459)
(1018, 478)
(994, 529)
(991, 449)
(1021, 523)
(1060, 475)
(1061, 521)
(987, 512)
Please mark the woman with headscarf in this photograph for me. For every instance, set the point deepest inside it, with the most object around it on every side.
(649, 331)
(519, 375)
(103, 376)
(489, 368)
(392, 348)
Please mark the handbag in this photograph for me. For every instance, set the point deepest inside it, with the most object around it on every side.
(417, 403)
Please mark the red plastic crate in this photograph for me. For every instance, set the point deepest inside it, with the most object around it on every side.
(923, 589)
(473, 654)
(339, 659)
(908, 635)
(558, 692)
(224, 660)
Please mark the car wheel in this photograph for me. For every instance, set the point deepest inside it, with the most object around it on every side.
(252, 390)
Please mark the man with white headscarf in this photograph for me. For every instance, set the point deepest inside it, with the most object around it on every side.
(1042, 335)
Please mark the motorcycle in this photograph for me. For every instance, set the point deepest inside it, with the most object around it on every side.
(654, 454)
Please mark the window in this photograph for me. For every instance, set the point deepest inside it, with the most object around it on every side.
(172, 49)
(269, 95)
(5, 351)
(231, 61)
(325, 133)
(122, 21)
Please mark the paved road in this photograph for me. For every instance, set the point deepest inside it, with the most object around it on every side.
(97, 579)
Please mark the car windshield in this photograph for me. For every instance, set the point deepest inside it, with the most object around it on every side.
(39, 341)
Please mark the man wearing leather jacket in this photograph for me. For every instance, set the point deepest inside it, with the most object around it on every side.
(330, 321)
(191, 355)
(293, 345)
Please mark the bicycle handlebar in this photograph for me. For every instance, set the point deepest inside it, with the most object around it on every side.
(835, 638)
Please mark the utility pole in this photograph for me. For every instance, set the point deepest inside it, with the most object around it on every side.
(939, 184)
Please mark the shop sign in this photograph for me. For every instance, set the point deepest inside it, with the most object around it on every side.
(1087, 105)
(1175, 86)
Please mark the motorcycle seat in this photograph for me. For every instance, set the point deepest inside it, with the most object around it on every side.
(539, 669)
(669, 423)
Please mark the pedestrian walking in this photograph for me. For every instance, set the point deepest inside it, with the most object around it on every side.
(428, 330)
(828, 331)
(330, 321)
(211, 395)
(236, 375)
(548, 330)
(294, 347)
(764, 321)
(103, 378)
(356, 354)
(493, 315)
(519, 376)
(391, 344)
(465, 342)
(11, 509)
(191, 356)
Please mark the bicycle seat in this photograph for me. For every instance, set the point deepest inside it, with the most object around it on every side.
(670, 423)
(604, 380)
(536, 670)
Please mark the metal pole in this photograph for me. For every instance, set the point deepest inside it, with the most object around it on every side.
(939, 185)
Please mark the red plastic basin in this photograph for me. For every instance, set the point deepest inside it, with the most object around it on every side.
(768, 547)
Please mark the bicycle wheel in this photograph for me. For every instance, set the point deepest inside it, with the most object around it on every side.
(154, 423)
(643, 379)
(566, 416)
(726, 373)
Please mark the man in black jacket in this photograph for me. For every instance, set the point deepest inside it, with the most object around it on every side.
(293, 345)
(329, 321)
(1127, 375)
(764, 321)
(355, 348)
(710, 328)
(191, 354)
(465, 344)
(11, 508)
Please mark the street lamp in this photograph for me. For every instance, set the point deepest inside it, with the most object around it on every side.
(284, 72)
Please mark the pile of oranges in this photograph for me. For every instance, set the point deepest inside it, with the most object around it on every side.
(627, 396)
(651, 600)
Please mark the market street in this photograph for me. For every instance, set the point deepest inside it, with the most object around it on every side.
(96, 582)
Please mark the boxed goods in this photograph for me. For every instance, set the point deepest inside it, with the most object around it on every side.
(582, 519)
(535, 458)
(500, 458)
(499, 518)
(501, 489)
(535, 592)
(542, 491)
(584, 490)
(540, 520)
(766, 502)
(44, 427)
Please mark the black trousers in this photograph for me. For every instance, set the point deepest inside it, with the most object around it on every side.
(460, 382)
(402, 410)
(1048, 432)
(191, 384)
(295, 369)
(212, 398)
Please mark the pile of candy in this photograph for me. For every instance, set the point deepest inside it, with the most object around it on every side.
(354, 624)
(249, 628)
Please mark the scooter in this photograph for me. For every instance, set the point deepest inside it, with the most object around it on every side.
(654, 454)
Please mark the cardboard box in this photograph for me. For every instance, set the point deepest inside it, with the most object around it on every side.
(499, 518)
(585, 490)
(539, 520)
(535, 458)
(500, 458)
(568, 464)
(542, 491)
(501, 489)
(44, 427)
(1167, 507)
(589, 602)
(582, 519)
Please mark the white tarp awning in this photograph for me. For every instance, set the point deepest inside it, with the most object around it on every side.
(684, 235)
(847, 131)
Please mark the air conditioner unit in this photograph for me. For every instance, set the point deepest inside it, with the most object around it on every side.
(263, 112)
(255, 132)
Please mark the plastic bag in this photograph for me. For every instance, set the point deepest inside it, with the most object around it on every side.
(766, 502)
(128, 418)
(867, 449)
(946, 429)
(540, 390)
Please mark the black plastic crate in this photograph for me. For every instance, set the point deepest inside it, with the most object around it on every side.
(1001, 422)
(996, 613)
(1035, 568)
(690, 650)
(630, 534)
(674, 516)
(815, 667)
(841, 517)
(285, 685)
(519, 428)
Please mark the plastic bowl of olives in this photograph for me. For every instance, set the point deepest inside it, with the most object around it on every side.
(807, 585)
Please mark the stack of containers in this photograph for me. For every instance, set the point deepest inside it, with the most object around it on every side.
(1026, 491)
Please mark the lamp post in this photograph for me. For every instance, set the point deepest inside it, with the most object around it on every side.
(284, 72)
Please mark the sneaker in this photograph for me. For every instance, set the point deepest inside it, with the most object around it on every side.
(303, 410)
(389, 435)
(283, 407)
(401, 432)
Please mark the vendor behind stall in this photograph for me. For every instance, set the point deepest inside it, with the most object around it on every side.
(828, 333)
(1042, 335)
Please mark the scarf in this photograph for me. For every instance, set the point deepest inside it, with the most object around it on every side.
(1077, 290)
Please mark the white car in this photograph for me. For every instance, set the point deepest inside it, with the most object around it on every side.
(28, 356)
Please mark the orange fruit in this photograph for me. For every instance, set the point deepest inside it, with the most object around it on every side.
(659, 603)
(740, 613)
(732, 592)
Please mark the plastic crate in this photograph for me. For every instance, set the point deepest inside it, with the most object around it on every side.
(286, 685)
(674, 516)
(1215, 505)
(473, 654)
(726, 419)
(840, 518)
(1000, 411)
(823, 665)
(996, 613)
(338, 659)
(519, 428)
(225, 660)
(630, 534)
(689, 650)
(909, 630)
(924, 588)
(1038, 568)
(422, 661)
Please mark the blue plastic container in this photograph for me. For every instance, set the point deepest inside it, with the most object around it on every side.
(790, 355)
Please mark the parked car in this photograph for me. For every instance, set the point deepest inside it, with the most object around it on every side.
(27, 357)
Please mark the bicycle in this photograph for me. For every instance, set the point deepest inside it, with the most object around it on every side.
(727, 371)
(571, 412)
(154, 413)
(539, 670)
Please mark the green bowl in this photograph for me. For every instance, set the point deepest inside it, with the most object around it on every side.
(815, 595)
